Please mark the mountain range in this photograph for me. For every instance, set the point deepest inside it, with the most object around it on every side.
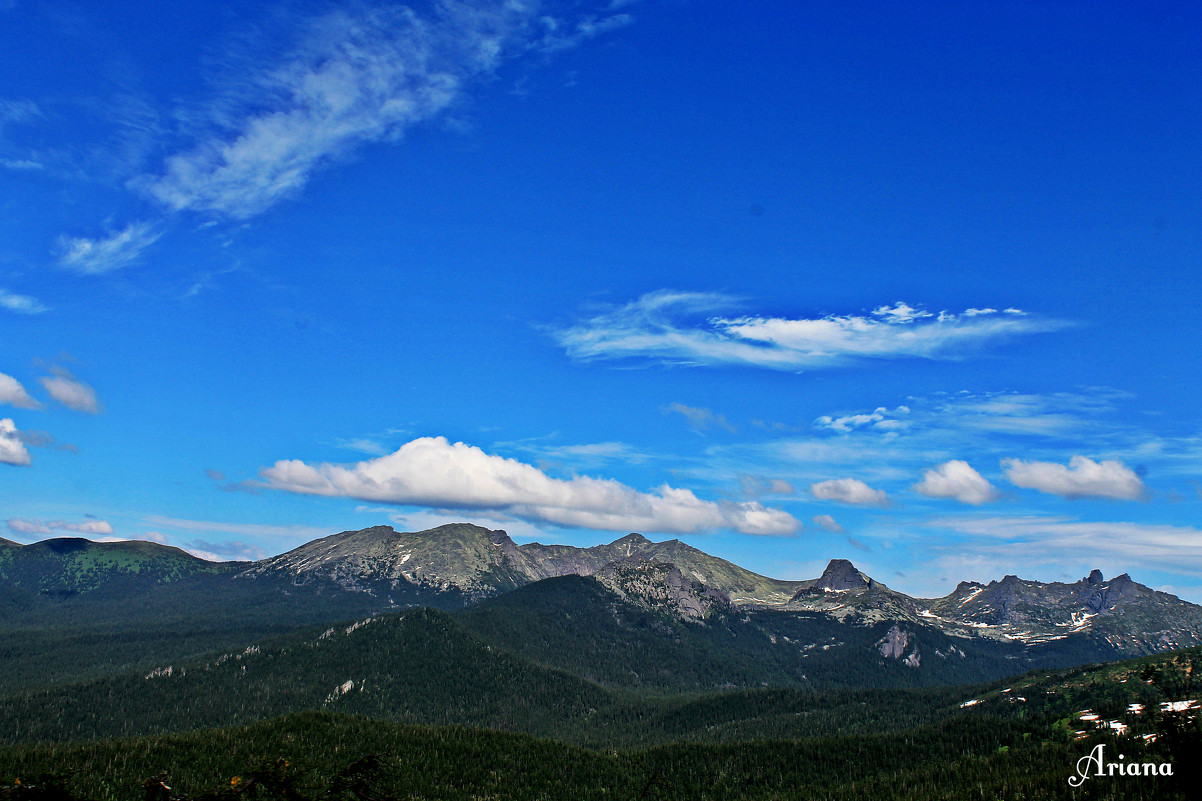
(682, 618)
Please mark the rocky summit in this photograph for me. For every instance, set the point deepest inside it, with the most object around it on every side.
(460, 564)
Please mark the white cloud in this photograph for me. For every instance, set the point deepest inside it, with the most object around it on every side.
(656, 327)
(880, 418)
(956, 479)
(22, 164)
(828, 523)
(12, 449)
(363, 445)
(560, 37)
(71, 392)
(850, 491)
(21, 304)
(700, 417)
(18, 111)
(755, 486)
(92, 527)
(108, 253)
(359, 75)
(226, 551)
(432, 472)
(1083, 478)
(1114, 546)
(595, 452)
(288, 533)
(14, 394)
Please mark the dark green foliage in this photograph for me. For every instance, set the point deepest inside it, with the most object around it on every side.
(310, 754)
(576, 624)
(419, 667)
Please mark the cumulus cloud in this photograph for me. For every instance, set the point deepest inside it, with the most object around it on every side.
(71, 392)
(14, 394)
(828, 523)
(93, 527)
(360, 74)
(956, 479)
(432, 472)
(107, 253)
(662, 326)
(850, 491)
(12, 449)
(1082, 478)
(20, 304)
(700, 417)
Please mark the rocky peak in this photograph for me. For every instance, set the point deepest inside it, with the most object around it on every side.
(841, 575)
(661, 585)
(499, 537)
(1095, 576)
(630, 542)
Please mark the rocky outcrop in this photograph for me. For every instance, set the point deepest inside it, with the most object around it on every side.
(893, 646)
(660, 585)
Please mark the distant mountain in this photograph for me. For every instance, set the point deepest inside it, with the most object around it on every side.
(69, 566)
(1129, 616)
(185, 604)
(475, 563)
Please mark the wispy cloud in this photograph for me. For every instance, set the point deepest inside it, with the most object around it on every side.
(851, 491)
(21, 304)
(250, 530)
(14, 394)
(360, 74)
(663, 326)
(107, 253)
(432, 472)
(70, 391)
(1082, 478)
(22, 164)
(1066, 540)
(17, 110)
(560, 36)
(230, 551)
(828, 523)
(362, 445)
(956, 479)
(699, 417)
(12, 449)
(90, 527)
(757, 486)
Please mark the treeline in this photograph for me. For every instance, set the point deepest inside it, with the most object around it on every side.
(423, 667)
(314, 756)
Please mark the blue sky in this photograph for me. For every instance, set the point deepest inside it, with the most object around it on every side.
(912, 284)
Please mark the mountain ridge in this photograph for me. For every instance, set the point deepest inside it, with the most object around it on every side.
(460, 564)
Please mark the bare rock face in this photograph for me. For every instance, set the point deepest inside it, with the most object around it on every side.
(893, 646)
(894, 643)
(461, 563)
(660, 585)
(841, 575)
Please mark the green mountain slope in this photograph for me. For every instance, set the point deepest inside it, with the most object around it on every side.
(579, 625)
(1019, 740)
(420, 666)
(71, 566)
